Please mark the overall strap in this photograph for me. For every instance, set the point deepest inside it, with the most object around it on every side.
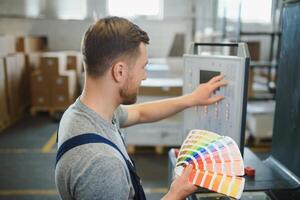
(84, 139)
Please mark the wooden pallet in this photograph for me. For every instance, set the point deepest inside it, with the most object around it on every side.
(262, 141)
(259, 142)
(4, 124)
(51, 110)
(157, 149)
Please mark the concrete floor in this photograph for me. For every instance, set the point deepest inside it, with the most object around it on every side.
(27, 155)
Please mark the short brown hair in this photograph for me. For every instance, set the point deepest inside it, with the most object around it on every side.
(108, 39)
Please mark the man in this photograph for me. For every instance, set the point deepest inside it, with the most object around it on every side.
(115, 56)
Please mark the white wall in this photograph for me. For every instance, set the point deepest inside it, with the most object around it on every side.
(178, 18)
(66, 34)
(62, 35)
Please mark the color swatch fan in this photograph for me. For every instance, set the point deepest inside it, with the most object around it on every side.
(217, 162)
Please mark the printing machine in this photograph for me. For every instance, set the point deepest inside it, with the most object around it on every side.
(279, 174)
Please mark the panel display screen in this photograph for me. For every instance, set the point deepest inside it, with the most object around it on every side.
(205, 75)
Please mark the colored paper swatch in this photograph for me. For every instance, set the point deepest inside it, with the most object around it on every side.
(217, 162)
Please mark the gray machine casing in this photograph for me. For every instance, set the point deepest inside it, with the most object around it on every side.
(226, 117)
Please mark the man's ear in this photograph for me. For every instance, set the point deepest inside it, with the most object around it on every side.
(119, 71)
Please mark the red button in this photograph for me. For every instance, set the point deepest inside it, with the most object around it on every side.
(250, 171)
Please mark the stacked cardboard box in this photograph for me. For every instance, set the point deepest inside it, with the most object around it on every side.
(29, 44)
(33, 61)
(63, 89)
(15, 84)
(52, 85)
(15, 69)
(32, 47)
(22, 81)
(39, 90)
(254, 50)
(4, 117)
(74, 62)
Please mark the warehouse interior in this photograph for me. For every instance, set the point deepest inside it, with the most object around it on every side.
(42, 74)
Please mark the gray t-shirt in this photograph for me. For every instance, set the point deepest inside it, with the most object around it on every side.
(92, 171)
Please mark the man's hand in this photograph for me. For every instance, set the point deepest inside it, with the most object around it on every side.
(181, 186)
(203, 95)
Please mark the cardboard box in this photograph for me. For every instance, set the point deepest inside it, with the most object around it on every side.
(253, 47)
(65, 82)
(63, 89)
(22, 81)
(52, 63)
(11, 85)
(28, 44)
(74, 61)
(61, 100)
(17, 86)
(161, 87)
(32, 61)
(38, 83)
(160, 91)
(250, 83)
(41, 99)
(254, 50)
(53, 76)
(3, 96)
(40, 89)
(7, 44)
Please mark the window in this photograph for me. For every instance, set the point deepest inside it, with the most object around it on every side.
(32, 8)
(253, 11)
(134, 8)
(71, 9)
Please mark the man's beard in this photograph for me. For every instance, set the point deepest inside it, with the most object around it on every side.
(128, 97)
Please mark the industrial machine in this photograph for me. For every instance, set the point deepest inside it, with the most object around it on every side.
(279, 174)
(226, 117)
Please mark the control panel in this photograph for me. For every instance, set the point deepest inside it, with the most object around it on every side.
(226, 117)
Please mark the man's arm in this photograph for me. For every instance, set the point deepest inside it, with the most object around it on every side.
(157, 110)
